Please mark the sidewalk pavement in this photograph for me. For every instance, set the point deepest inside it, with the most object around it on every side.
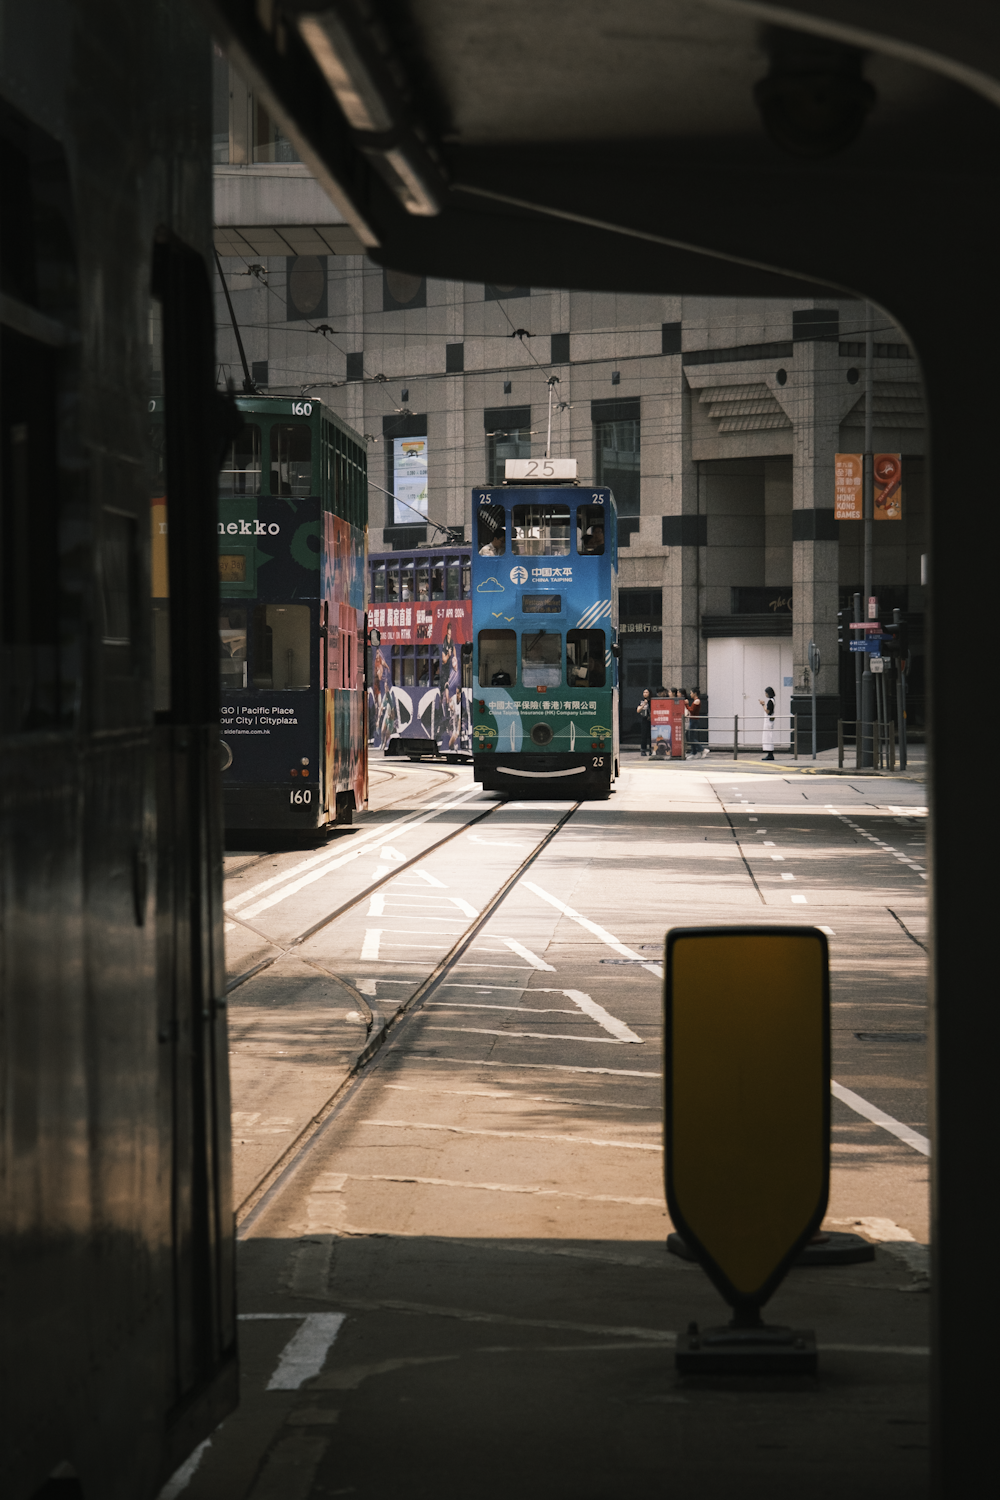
(750, 759)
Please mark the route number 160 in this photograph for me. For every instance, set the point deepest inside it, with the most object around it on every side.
(302, 408)
(300, 796)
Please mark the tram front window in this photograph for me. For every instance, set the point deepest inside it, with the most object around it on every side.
(232, 648)
(280, 646)
(590, 530)
(491, 530)
(291, 459)
(540, 531)
(585, 664)
(240, 472)
(541, 659)
(497, 658)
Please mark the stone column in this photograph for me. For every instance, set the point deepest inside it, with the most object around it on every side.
(684, 537)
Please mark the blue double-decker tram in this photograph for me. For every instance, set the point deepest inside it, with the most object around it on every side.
(293, 511)
(545, 623)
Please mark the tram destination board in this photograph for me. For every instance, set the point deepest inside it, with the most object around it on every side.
(545, 619)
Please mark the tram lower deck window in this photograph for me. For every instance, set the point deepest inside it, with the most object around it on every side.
(232, 648)
(497, 658)
(540, 531)
(585, 659)
(280, 656)
(291, 459)
(541, 659)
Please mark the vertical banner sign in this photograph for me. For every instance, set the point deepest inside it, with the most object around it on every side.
(409, 480)
(666, 717)
(849, 487)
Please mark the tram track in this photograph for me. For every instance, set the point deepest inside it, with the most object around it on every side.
(281, 1172)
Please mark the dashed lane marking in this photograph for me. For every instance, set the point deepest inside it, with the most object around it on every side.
(878, 1116)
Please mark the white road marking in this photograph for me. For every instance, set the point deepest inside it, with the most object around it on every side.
(511, 1135)
(497, 843)
(370, 946)
(322, 864)
(507, 1187)
(523, 952)
(600, 1015)
(391, 854)
(430, 879)
(370, 986)
(799, 900)
(521, 1010)
(590, 926)
(377, 906)
(305, 1353)
(828, 930)
(409, 1088)
(467, 1315)
(182, 1477)
(778, 856)
(538, 1036)
(786, 876)
(488, 1062)
(879, 1117)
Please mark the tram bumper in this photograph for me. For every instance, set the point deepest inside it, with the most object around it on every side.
(569, 775)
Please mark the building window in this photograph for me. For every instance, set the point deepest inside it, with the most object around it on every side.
(508, 435)
(670, 338)
(220, 106)
(355, 367)
(270, 143)
(258, 372)
(560, 349)
(401, 292)
(617, 451)
(816, 323)
(454, 359)
(306, 284)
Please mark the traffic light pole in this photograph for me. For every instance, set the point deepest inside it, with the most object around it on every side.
(868, 512)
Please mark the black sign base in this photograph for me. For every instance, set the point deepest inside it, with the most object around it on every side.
(835, 1249)
(746, 1351)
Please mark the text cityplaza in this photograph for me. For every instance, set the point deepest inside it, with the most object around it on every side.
(248, 528)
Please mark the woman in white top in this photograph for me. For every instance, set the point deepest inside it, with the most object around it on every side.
(767, 738)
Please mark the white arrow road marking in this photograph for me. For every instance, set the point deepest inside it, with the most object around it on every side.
(590, 926)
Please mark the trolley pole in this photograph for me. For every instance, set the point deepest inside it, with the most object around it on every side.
(868, 493)
(249, 389)
(553, 382)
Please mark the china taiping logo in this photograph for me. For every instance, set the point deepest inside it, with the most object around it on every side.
(518, 575)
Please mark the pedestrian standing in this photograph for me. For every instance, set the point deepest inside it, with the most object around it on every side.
(767, 738)
(645, 723)
(698, 737)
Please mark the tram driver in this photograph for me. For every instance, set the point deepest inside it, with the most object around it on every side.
(593, 541)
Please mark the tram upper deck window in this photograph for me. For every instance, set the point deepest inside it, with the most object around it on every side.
(497, 658)
(540, 531)
(392, 583)
(541, 659)
(491, 530)
(437, 579)
(423, 580)
(233, 648)
(406, 580)
(291, 459)
(590, 530)
(585, 658)
(281, 646)
(453, 578)
(378, 583)
(466, 578)
(241, 467)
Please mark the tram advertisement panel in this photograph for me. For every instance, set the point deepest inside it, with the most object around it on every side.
(440, 713)
(409, 624)
(343, 587)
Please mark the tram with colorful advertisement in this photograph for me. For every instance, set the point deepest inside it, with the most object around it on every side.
(545, 624)
(420, 680)
(292, 528)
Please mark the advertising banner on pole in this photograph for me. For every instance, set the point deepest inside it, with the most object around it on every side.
(666, 717)
(848, 487)
(409, 480)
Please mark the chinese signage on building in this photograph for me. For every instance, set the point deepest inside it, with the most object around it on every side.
(849, 487)
(409, 480)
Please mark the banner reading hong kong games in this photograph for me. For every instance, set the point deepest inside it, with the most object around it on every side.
(421, 622)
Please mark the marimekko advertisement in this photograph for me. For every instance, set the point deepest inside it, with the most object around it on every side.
(409, 480)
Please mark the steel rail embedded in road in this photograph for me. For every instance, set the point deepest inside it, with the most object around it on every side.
(277, 1178)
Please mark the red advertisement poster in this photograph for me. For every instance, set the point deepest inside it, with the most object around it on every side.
(423, 622)
(666, 717)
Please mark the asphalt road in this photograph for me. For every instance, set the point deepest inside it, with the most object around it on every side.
(460, 1286)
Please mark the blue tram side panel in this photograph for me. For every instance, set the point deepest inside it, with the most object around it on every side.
(292, 535)
(420, 680)
(545, 651)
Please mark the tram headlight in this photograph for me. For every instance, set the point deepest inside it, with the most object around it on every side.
(225, 756)
(542, 734)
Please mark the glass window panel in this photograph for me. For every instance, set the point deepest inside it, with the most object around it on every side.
(585, 658)
(497, 658)
(454, 579)
(437, 581)
(423, 580)
(491, 530)
(281, 646)
(616, 462)
(540, 531)
(406, 664)
(378, 583)
(406, 581)
(466, 577)
(541, 658)
(514, 442)
(590, 530)
(467, 666)
(232, 647)
(240, 472)
(423, 668)
(392, 583)
(291, 459)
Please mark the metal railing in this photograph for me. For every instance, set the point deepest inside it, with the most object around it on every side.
(881, 744)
